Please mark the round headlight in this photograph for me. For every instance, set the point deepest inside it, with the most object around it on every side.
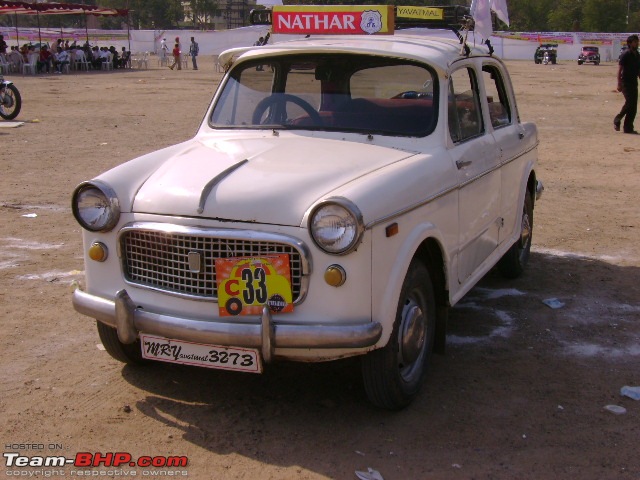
(95, 206)
(336, 226)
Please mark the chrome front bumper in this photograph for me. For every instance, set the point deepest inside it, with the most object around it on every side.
(129, 320)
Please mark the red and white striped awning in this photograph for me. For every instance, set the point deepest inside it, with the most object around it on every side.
(23, 8)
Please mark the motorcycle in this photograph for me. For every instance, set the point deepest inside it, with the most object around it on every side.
(10, 100)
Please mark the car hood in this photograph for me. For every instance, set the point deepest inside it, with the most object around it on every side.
(272, 180)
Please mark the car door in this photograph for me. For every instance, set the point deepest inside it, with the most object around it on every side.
(509, 135)
(477, 158)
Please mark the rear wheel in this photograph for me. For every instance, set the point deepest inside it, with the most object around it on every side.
(126, 353)
(512, 264)
(394, 374)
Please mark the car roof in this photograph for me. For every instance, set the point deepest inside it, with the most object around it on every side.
(439, 51)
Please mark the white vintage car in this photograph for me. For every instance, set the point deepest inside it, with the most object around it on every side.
(340, 195)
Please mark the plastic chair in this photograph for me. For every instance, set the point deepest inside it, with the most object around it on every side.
(216, 64)
(81, 63)
(107, 64)
(144, 61)
(31, 64)
(5, 66)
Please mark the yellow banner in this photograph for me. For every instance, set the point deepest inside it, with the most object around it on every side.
(421, 13)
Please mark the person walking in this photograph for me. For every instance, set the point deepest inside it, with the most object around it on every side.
(176, 57)
(193, 51)
(164, 52)
(628, 73)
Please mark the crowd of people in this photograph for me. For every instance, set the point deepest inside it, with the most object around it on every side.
(62, 55)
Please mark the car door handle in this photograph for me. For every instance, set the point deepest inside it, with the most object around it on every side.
(463, 163)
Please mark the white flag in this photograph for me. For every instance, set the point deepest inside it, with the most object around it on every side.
(500, 7)
(481, 14)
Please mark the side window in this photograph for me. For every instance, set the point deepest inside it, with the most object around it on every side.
(497, 98)
(465, 116)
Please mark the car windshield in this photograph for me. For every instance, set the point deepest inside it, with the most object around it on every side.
(590, 49)
(358, 93)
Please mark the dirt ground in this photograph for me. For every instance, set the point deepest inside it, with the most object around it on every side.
(519, 395)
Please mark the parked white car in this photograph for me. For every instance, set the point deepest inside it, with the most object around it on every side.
(340, 195)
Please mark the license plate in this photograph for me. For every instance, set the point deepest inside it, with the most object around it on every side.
(201, 355)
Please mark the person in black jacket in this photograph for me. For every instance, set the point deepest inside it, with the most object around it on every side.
(628, 73)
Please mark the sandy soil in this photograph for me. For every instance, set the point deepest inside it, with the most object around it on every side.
(520, 394)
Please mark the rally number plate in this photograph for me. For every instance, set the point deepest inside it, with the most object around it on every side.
(201, 355)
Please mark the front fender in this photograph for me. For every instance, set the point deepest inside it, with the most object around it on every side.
(390, 269)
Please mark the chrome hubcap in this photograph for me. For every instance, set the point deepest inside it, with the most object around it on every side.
(525, 232)
(412, 336)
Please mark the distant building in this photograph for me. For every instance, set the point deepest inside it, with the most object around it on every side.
(231, 14)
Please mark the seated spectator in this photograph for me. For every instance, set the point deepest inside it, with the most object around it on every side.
(78, 55)
(125, 58)
(15, 58)
(45, 60)
(61, 59)
(105, 55)
(96, 59)
(25, 51)
(115, 58)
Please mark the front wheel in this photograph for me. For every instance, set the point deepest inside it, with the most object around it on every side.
(126, 353)
(512, 264)
(10, 102)
(394, 374)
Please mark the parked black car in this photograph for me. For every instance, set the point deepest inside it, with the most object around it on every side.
(551, 49)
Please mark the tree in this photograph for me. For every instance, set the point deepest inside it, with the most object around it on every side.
(155, 14)
(530, 15)
(566, 16)
(605, 15)
(202, 11)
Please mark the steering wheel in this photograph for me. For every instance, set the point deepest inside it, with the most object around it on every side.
(282, 99)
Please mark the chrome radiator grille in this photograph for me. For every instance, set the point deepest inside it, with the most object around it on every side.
(160, 260)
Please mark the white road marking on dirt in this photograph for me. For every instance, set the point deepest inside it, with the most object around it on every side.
(504, 331)
(490, 294)
(51, 275)
(605, 258)
(19, 206)
(12, 250)
(20, 243)
(592, 350)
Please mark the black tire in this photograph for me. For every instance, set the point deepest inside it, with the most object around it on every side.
(394, 374)
(579, 62)
(10, 107)
(125, 353)
(513, 263)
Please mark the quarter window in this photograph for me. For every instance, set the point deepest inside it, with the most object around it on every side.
(465, 115)
(497, 98)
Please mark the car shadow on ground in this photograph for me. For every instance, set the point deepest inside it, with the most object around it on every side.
(512, 362)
